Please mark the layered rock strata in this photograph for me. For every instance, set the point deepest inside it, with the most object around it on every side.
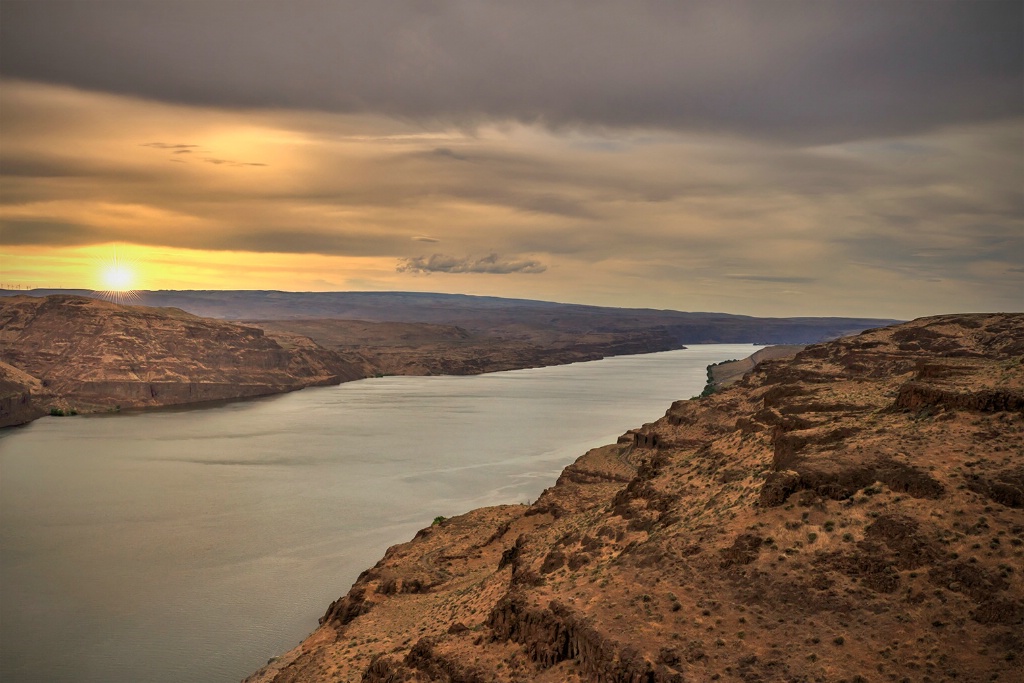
(76, 353)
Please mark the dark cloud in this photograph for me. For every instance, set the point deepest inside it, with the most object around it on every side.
(229, 162)
(492, 263)
(169, 145)
(289, 239)
(14, 232)
(451, 154)
(32, 164)
(918, 256)
(812, 70)
(179, 148)
(39, 167)
(774, 278)
(620, 217)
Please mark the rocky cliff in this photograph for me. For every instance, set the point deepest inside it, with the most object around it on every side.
(18, 390)
(76, 353)
(397, 348)
(854, 513)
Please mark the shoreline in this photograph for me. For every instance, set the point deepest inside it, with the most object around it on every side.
(430, 460)
(810, 497)
(608, 461)
(85, 410)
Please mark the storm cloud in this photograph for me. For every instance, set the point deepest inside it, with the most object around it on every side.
(809, 70)
(774, 157)
(492, 263)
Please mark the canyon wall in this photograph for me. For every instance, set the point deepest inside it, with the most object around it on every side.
(853, 513)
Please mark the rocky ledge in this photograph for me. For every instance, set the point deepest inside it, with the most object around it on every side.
(69, 353)
(854, 513)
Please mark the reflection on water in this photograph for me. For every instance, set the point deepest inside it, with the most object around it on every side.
(191, 545)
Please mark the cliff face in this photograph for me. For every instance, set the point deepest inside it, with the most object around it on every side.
(17, 389)
(853, 513)
(427, 349)
(92, 355)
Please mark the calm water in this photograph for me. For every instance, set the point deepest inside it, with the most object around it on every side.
(191, 545)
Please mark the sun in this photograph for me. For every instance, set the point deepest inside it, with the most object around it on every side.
(118, 279)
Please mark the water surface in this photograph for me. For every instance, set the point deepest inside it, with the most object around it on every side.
(191, 545)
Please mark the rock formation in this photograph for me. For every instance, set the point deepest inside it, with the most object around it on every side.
(17, 389)
(854, 513)
(74, 353)
(396, 348)
(87, 354)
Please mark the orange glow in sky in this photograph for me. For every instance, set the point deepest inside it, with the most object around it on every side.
(124, 267)
(110, 193)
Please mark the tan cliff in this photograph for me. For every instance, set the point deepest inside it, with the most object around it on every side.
(75, 353)
(855, 513)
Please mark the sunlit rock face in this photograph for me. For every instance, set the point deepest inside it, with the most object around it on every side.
(92, 355)
(855, 510)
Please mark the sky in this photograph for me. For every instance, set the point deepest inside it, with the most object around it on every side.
(765, 157)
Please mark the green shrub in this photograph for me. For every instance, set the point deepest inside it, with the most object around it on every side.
(438, 520)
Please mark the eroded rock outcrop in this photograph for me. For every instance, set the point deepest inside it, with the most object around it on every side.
(19, 396)
(92, 355)
(851, 513)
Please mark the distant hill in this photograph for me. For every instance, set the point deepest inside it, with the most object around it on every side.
(536, 321)
(88, 354)
(73, 353)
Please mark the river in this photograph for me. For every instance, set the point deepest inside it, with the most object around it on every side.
(190, 545)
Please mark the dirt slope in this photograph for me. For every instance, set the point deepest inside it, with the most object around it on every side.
(855, 513)
(94, 355)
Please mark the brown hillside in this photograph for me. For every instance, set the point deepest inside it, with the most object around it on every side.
(855, 513)
(397, 348)
(90, 354)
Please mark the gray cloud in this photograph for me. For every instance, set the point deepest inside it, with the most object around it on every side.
(661, 218)
(774, 278)
(229, 162)
(813, 70)
(169, 145)
(179, 148)
(50, 233)
(492, 263)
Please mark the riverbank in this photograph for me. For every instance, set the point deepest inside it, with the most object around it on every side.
(186, 544)
(841, 512)
(69, 352)
(66, 355)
